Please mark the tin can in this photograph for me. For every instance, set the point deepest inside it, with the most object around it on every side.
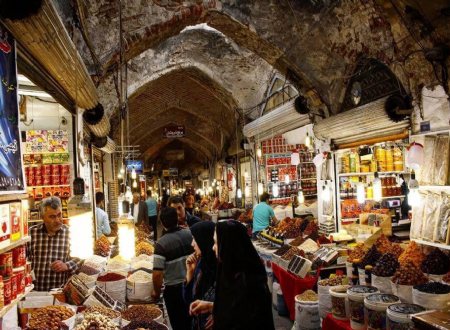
(7, 291)
(13, 286)
(19, 256)
(6, 264)
(38, 180)
(20, 273)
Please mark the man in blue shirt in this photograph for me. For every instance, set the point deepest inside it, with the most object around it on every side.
(262, 215)
(152, 207)
(101, 216)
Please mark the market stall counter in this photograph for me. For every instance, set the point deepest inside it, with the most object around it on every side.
(292, 285)
(330, 323)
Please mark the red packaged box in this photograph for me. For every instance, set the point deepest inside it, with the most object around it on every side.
(64, 179)
(47, 169)
(38, 170)
(6, 264)
(47, 180)
(7, 290)
(65, 169)
(56, 170)
(19, 256)
(13, 286)
(38, 181)
(56, 180)
(20, 273)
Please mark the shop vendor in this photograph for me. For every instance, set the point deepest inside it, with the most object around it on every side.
(263, 215)
(49, 249)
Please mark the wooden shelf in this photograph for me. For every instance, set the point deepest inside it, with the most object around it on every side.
(52, 185)
(13, 197)
(12, 245)
(438, 245)
(370, 173)
(371, 199)
(65, 163)
(14, 302)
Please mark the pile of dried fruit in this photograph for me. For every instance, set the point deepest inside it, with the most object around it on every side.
(383, 245)
(293, 251)
(409, 274)
(141, 313)
(357, 253)
(395, 250)
(413, 254)
(323, 239)
(49, 318)
(386, 265)
(337, 280)
(142, 232)
(371, 257)
(96, 321)
(102, 247)
(436, 263)
(144, 248)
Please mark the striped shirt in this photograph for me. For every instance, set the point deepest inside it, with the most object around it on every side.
(44, 250)
(171, 252)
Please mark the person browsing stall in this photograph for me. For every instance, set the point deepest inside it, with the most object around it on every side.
(101, 216)
(169, 266)
(152, 207)
(49, 249)
(184, 217)
(263, 215)
(139, 210)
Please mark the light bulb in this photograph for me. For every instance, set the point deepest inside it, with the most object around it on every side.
(377, 190)
(239, 193)
(122, 170)
(326, 194)
(275, 190)
(133, 174)
(247, 191)
(308, 141)
(301, 197)
(287, 179)
(210, 189)
(134, 184)
(360, 193)
(259, 152)
(260, 188)
(119, 176)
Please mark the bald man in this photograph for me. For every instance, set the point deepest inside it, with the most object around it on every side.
(139, 210)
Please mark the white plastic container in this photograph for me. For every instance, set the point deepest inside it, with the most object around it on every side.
(376, 305)
(339, 302)
(431, 300)
(362, 276)
(382, 283)
(306, 314)
(399, 316)
(349, 268)
(404, 292)
(356, 295)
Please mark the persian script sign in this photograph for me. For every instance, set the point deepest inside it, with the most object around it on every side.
(172, 132)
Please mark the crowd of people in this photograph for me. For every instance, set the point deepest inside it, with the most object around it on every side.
(210, 275)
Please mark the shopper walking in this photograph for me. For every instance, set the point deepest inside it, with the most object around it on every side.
(49, 249)
(184, 217)
(139, 210)
(101, 217)
(201, 269)
(169, 266)
(152, 207)
(263, 215)
(243, 299)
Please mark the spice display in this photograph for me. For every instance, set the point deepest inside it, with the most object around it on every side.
(49, 318)
(85, 277)
(135, 325)
(110, 277)
(282, 250)
(102, 247)
(141, 313)
(117, 265)
(437, 262)
(333, 281)
(308, 295)
(413, 254)
(433, 287)
(323, 239)
(386, 265)
(293, 251)
(142, 264)
(357, 253)
(371, 257)
(396, 250)
(108, 312)
(142, 233)
(144, 248)
(409, 274)
(140, 276)
(96, 321)
(383, 245)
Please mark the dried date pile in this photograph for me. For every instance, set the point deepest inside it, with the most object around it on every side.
(371, 257)
(409, 274)
(386, 266)
(357, 253)
(141, 313)
(413, 253)
(102, 247)
(144, 248)
(49, 318)
(437, 263)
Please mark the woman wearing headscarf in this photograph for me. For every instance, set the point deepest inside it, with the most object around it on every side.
(201, 270)
(243, 299)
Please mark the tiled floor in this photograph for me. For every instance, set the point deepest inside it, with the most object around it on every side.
(281, 322)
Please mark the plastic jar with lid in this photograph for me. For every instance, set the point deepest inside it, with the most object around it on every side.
(339, 302)
(356, 295)
(376, 305)
(399, 316)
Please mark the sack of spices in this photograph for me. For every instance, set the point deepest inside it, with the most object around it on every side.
(114, 284)
(140, 285)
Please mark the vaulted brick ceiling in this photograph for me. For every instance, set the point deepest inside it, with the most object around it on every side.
(202, 76)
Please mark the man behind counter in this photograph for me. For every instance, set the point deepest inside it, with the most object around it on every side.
(49, 249)
(263, 215)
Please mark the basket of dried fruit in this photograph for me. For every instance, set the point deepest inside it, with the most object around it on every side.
(142, 313)
(51, 318)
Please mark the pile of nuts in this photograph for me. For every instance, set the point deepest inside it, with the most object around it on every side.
(141, 313)
(437, 262)
(102, 247)
(371, 257)
(357, 253)
(337, 280)
(144, 248)
(140, 276)
(308, 295)
(433, 287)
(413, 254)
(102, 310)
(96, 321)
(135, 325)
(49, 318)
(386, 266)
(409, 274)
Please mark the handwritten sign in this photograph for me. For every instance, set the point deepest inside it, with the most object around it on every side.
(11, 170)
(173, 132)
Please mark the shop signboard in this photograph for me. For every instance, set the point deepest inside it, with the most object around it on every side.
(174, 131)
(165, 173)
(11, 170)
(138, 165)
